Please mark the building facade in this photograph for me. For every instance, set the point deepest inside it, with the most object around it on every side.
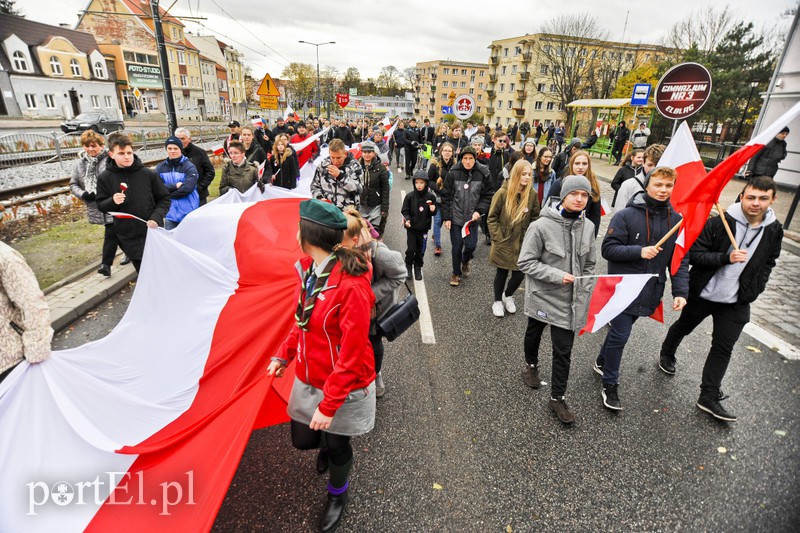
(437, 83)
(50, 71)
(380, 106)
(212, 108)
(236, 86)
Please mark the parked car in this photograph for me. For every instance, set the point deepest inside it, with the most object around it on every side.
(99, 122)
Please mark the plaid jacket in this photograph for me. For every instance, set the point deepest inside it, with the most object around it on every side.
(342, 191)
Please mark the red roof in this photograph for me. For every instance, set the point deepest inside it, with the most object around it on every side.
(142, 7)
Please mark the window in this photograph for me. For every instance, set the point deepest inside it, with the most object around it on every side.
(472, 91)
(463, 72)
(50, 101)
(629, 57)
(480, 97)
(503, 70)
(463, 84)
(571, 51)
(75, 67)
(30, 101)
(481, 73)
(445, 84)
(108, 102)
(479, 109)
(540, 87)
(537, 105)
(517, 50)
(20, 63)
(582, 63)
(556, 70)
(509, 104)
(583, 52)
(547, 48)
(499, 104)
(174, 79)
(55, 66)
(446, 71)
(174, 32)
(511, 87)
(472, 78)
(594, 54)
(171, 56)
(444, 95)
(551, 106)
(472, 72)
(99, 71)
(181, 57)
(543, 69)
(180, 102)
(552, 87)
(505, 52)
(514, 69)
(95, 101)
(184, 81)
(480, 85)
(502, 87)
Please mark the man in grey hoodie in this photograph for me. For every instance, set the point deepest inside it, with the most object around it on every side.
(723, 281)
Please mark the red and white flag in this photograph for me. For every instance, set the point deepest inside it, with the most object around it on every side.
(390, 131)
(290, 112)
(465, 231)
(143, 430)
(218, 149)
(118, 214)
(386, 121)
(258, 122)
(355, 150)
(612, 295)
(261, 169)
(604, 207)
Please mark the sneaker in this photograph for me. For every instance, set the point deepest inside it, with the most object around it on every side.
(465, 269)
(611, 398)
(455, 281)
(125, 260)
(438, 251)
(511, 306)
(418, 273)
(531, 376)
(561, 410)
(104, 270)
(497, 310)
(667, 366)
(380, 386)
(712, 406)
(597, 368)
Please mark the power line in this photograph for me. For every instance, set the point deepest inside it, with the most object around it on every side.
(250, 32)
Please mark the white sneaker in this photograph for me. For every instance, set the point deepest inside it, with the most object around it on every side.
(497, 309)
(511, 306)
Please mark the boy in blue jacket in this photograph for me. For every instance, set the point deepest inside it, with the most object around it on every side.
(419, 206)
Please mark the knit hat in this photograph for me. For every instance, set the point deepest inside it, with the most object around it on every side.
(173, 140)
(420, 175)
(469, 150)
(323, 213)
(574, 183)
(529, 140)
(477, 139)
(369, 146)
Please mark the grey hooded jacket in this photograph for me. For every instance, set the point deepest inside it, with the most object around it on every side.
(82, 181)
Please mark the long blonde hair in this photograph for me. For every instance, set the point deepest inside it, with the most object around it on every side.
(518, 195)
(287, 151)
(589, 173)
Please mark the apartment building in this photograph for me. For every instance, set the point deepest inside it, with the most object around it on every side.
(437, 83)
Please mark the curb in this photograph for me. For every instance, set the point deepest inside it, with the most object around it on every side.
(75, 275)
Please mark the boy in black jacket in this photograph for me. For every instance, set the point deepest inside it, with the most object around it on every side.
(724, 281)
(419, 206)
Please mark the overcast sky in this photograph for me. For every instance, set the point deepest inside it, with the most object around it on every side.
(370, 34)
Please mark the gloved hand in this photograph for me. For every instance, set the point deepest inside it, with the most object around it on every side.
(88, 196)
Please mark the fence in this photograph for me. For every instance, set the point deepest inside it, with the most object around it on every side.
(20, 149)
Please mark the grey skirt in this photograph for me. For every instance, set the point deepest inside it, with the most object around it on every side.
(356, 416)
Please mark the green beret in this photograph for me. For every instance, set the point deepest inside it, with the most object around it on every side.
(323, 213)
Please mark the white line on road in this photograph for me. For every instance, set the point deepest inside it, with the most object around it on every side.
(425, 320)
(763, 336)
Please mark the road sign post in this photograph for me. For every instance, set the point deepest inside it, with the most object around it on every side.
(464, 106)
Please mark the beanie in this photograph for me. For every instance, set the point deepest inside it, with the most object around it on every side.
(173, 140)
(574, 183)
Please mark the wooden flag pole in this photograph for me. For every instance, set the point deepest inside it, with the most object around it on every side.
(675, 228)
(727, 226)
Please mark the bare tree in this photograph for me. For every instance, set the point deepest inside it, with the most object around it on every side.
(702, 29)
(409, 76)
(389, 80)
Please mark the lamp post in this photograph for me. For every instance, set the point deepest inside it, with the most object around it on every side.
(317, 45)
(753, 85)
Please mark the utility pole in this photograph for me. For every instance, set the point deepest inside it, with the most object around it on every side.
(317, 45)
(169, 103)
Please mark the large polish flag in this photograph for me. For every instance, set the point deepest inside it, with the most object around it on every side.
(390, 131)
(143, 430)
(611, 296)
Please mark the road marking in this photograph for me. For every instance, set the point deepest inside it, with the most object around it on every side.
(425, 320)
(788, 351)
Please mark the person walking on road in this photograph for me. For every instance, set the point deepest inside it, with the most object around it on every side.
(766, 161)
(284, 169)
(723, 282)
(543, 176)
(561, 161)
(252, 149)
(418, 209)
(180, 178)
(412, 141)
(539, 133)
(558, 248)
(629, 187)
(237, 173)
(376, 194)
(457, 138)
(437, 171)
(629, 247)
(581, 165)
(621, 135)
(338, 178)
(639, 137)
(632, 168)
(333, 395)
(200, 160)
(512, 210)
(309, 152)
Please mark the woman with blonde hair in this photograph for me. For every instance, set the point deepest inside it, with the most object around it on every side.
(513, 208)
(581, 165)
(285, 170)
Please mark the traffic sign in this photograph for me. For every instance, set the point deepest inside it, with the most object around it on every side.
(268, 102)
(353, 91)
(683, 90)
(136, 92)
(641, 94)
(464, 106)
(342, 99)
(447, 110)
(267, 87)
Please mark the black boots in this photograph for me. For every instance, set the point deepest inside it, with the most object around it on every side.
(410, 271)
(417, 272)
(334, 509)
(322, 461)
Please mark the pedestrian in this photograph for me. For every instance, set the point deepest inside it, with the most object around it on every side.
(528, 150)
(253, 152)
(466, 197)
(127, 186)
(632, 167)
(512, 134)
(418, 209)
(233, 136)
(338, 178)
(477, 143)
(724, 281)
(383, 148)
(344, 133)
(629, 247)
(652, 155)
(766, 161)
(524, 129)
(333, 395)
(428, 133)
(180, 178)
(558, 248)
(561, 161)
(281, 128)
(456, 137)
(309, 152)
(25, 331)
(399, 138)
(516, 156)
(639, 137)
(560, 132)
(581, 165)
(284, 170)
(539, 132)
(543, 176)
(92, 162)
(621, 134)
(237, 173)
(440, 138)
(437, 171)
(413, 138)
(513, 208)
(200, 160)
(376, 191)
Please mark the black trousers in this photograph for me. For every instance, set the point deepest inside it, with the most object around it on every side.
(377, 348)
(337, 447)
(616, 150)
(110, 244)
(563, 339)
(415, 250)
(411, 160)
(500, 278)
(729, 321)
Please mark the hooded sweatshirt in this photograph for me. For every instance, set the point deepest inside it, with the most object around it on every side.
(724, 285)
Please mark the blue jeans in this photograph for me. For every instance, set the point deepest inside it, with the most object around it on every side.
(170, 224)
(611, 353)
(457, 243)
(437, 228)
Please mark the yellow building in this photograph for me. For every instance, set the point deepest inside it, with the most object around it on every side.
(438, 82)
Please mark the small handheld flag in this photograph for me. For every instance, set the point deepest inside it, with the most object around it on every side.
(117, 214)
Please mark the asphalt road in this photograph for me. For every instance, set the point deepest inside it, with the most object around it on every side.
(461, 444)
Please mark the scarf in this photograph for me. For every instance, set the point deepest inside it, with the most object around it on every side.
(308, 297)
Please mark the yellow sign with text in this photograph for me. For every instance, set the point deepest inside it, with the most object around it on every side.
(268, 102)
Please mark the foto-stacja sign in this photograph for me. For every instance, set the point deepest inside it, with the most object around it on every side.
(144, 76)
(683, 90)
(464, 106)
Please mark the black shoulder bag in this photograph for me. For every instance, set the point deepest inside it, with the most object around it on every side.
(399, 317)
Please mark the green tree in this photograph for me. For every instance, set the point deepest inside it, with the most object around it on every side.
(351, 79)
(647, 73)
(7, 7)
(301, 82)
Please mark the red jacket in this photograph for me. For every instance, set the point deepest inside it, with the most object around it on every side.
(306, 153)
(335, 354)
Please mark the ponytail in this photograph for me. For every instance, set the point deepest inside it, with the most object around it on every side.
(354, 261)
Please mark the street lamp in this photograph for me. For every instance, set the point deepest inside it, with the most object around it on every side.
(317, 45)
(753, 85)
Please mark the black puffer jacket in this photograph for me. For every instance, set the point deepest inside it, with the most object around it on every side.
(417, 209)
(205, 169)
(466, 191)
(765, 162)
(376, 185)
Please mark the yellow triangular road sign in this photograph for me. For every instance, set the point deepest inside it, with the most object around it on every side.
(267, 87)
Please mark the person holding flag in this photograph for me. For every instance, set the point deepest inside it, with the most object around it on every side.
(466, 197)
(641, 240)
(729, 271)
(559, 248)
(310, 151)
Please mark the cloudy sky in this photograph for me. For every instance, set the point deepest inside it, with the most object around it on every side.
(370, 34)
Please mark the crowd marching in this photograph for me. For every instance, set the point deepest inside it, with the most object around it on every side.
(538, 207)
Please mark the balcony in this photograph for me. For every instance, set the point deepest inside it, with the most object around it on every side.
(416, 111)
(416, 99)
(433, 75)
(433, 88)
(521, 94)
(417, 76)
(492, 78)
(527, 57)
(494, 60)
(519, 112)
(490, 111)
(416, 88)
(490, 93)
(524, 75)
(433, 99)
